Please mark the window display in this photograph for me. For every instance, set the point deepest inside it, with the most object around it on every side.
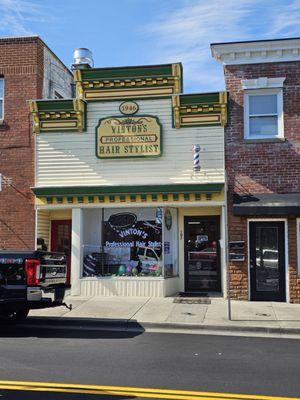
(128, 242)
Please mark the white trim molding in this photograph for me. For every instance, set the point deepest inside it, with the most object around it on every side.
(262, 83)
(256, 52)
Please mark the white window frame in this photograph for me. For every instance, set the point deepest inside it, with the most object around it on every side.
(263, 92)
(2, 98)
(298, 245)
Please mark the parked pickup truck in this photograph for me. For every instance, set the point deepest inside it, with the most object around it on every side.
(30, 280)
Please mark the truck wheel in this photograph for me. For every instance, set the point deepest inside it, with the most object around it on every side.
(59, 294)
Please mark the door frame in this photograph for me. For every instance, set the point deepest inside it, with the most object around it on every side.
(287, 292)
(218, 218)
(52, 223)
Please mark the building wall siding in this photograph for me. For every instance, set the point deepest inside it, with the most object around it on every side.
(56, 77)
(66, 159)
(43, 226)
(262, 167)
(22, 67)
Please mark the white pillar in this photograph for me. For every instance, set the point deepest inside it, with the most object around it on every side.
(76, 256)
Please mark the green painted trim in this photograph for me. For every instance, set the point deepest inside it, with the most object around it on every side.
(122, 99)
(123, 190)
(128, 157)
(199, 125)
(55, 105)
(127, 72)
(199, 98)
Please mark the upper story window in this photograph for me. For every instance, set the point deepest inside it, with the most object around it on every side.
(1, 98)
(263, 108)
(263, 114)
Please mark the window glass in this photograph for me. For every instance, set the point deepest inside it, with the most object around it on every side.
(263, 104)
(263, 126)
(123, 242)
(1, 88)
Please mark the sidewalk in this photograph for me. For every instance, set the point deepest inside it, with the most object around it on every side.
(165, 314)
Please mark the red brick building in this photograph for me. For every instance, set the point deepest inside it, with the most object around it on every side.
(262, 158)
(28, 70)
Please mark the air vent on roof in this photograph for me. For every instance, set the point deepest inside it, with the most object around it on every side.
(82, 58)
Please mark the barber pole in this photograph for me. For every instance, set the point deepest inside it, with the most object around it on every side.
(196, 150)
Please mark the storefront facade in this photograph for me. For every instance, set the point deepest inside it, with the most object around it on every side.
(262, 159)
(118, 186)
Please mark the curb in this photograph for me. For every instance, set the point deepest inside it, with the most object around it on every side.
(85, 324)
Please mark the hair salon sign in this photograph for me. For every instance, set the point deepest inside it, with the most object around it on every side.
(128, 136)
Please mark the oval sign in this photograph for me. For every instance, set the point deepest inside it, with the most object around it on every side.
(129, 107)
(122, 220)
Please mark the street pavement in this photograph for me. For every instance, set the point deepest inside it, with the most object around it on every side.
(206, 315)
(224, 366)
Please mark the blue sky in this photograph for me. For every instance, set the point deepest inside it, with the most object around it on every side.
(138, 32)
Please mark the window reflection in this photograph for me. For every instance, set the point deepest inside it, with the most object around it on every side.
(267, 261)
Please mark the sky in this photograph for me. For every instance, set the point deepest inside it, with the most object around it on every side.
(141, 32)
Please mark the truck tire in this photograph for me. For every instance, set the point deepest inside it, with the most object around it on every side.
(59, 294)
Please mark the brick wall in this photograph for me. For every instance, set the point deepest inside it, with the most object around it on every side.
(262, 167)
(21, 65)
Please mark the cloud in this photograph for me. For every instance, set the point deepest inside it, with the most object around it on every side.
(16, 16)
(186, 33)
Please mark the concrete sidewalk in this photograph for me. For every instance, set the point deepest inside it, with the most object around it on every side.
(165, 314)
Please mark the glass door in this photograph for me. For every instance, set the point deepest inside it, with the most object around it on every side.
(267, 261)
(202, 254)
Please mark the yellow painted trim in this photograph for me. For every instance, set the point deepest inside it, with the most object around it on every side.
(58, 124)
(129, 201)
(200, 119)
(111, 94)
(35, 115)
(60, 214)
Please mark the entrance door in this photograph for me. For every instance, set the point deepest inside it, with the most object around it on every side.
(61, 240)
(267, 261)
(202, 254)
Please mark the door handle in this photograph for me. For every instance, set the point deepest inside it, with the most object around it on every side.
(251, 264)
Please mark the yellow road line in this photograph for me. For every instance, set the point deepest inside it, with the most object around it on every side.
(132, 391)
(106, 393)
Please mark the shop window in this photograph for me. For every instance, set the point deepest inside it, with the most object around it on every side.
(129, 243)
(1, 98)
(263, 114)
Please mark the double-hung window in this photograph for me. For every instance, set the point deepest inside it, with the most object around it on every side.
(263, 114)
(1, 98)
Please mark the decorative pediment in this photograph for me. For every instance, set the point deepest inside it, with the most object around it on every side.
(128, 82)
(206, 109)
(58, 115)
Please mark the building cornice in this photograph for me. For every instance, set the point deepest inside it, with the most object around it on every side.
(256, 52)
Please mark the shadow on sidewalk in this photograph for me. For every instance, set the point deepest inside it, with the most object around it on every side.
(76, 328)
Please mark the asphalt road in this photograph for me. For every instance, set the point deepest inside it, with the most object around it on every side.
(262, 366)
